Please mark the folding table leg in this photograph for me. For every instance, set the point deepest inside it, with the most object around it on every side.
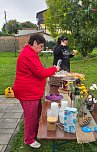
(53, 146)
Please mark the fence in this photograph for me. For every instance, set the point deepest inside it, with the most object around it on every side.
(8, 44)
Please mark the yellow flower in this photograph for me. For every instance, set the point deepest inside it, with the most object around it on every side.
(69, 82)
(81, 92)
(82, 78)
(82, 84)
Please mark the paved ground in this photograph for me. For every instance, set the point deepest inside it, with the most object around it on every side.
(10, 116)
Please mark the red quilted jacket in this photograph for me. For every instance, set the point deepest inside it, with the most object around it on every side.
(31, 76)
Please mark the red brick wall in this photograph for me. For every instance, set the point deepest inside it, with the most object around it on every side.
(22, 40)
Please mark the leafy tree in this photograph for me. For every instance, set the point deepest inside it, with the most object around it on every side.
(77, 19)
(51, 16)
(0, 33)
(11, 27)
(28, 24)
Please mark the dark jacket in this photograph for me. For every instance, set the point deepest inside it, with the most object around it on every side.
(63, 53)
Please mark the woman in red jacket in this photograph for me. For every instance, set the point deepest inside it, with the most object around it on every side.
(29, 86)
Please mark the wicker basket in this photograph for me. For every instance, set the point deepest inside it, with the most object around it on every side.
(56, 81)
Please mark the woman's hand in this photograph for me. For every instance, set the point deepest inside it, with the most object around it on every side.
(74, 52)
(58, 68)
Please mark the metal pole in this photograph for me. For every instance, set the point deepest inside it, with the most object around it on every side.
(53, 146)
(5, 17)
(15, 45)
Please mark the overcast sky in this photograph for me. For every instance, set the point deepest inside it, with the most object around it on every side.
(21, 10)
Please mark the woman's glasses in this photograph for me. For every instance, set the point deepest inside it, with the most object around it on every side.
(41, 45)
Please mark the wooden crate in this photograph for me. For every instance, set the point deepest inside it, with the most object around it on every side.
(56, 81)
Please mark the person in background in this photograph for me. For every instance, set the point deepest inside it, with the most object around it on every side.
(62, 51)
(29, 86)
(56, 51)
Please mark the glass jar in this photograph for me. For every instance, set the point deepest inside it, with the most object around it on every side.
(90, 104)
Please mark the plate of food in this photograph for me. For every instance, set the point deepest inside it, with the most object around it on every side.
(70, 75)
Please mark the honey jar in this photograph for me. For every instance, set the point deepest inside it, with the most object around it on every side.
(51, 123)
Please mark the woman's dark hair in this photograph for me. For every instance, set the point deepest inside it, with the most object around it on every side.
(61, 38)
(36, 37)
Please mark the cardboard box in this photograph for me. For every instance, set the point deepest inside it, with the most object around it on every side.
(70, 119)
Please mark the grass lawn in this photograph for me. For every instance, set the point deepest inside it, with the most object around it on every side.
(7, 75)
(7, 70)
(19, 146)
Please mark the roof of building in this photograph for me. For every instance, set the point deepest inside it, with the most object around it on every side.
(26, 32)
(29, 32)
(41, 12)
(40, 17)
